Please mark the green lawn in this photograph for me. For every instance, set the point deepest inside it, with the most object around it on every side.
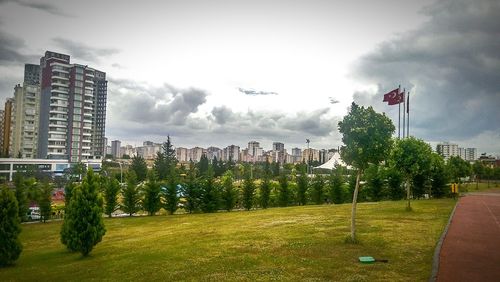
(295, 243)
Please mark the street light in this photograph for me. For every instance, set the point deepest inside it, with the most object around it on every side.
(308, 157)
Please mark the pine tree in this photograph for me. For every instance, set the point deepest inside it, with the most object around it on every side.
(152, 199)
(160, 166)
(111, 190)
(130, 193)
(302, 185)
(191, 190)
(21, 195)
(284, 191)
(209, 193)
(248, 192)
(229, 193)
(140, 168)
(10, 246)
(203, 165)
(265, 192)
(45, 200)
(318, 184)
(68, 192)
(83, 226)
(171, 192)
(336, 183)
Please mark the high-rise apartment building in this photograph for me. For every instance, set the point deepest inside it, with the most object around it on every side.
(231, 152)
(278, 146)
(116, 149)
(447, 150)
(8, 127)
(72, 109)
(26, 114)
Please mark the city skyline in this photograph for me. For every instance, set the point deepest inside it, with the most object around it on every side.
(271, 71)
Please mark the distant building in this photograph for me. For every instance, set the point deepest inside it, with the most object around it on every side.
(231, 152)
(278, 146)
(214, 152)
(181, 154)
(8, 127)
(115, 149)
(447, 150)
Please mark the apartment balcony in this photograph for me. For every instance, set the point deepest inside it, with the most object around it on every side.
(56, 146)
(57, 76)
(56, 139)
(59, 83)
(85, 147)
(62, 91)
(64, 68)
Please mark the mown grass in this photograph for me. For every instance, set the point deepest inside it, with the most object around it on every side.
(295, 243)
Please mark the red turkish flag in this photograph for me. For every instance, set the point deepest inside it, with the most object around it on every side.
(393, 97)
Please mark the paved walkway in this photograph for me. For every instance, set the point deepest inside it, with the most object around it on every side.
(471, 248)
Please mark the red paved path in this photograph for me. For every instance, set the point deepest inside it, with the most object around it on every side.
(471, 248)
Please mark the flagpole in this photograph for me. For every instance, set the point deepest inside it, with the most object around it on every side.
(408, 112)
(399, 116)
(404, 115)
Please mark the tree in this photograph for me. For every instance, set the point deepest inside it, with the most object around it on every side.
(140, 168)
(265, 192)
(171, 192)
(152, 200)
(160, 166)
(412, 157)
(438, 176)
(248, 192)
(45, 200)
(318, 184)
(366, 135)
(209, 193)
(130, 195)
(229, 193)
(394, 181)
(336, 183)
(283, 190)
(458, 168)
(203, 165)
(68, 192)
(302, 187)
(111, 189)
(21, 195)
(10, 246)
(374, 182)
(478, 169)
(83, 226)
(191, 190)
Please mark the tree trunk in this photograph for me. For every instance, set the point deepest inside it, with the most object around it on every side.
(353, 212)
(408, 206)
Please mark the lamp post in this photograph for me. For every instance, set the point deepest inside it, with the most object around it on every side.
(121, 169)
(308, 157)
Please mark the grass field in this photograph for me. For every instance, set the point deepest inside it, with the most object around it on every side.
(295, 243)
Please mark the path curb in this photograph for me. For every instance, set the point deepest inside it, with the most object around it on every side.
(437, 251)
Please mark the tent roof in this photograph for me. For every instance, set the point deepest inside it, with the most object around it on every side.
(331, 163)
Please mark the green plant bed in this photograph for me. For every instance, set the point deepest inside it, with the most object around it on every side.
(294, 243)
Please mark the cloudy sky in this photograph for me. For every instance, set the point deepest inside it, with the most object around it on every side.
(227, 72)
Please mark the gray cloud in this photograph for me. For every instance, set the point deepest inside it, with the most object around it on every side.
(83, 51)
(253, 92)
(45, 7)
(10, 47)
(451, 65)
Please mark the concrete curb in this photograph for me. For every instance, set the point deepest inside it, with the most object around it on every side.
(437, 251)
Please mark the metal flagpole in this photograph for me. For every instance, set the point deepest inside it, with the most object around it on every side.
(404, 115)
(408, 112)
(399, 115)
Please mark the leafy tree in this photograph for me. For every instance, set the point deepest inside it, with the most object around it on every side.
(140, 168)
(68, 192)
(374, 182)
(458, 168)
(284, 191)
(21, 195)
(412, 157)
(302, 185)
(336, 183)
(10, 246)
(276, 169)
(152, 200)
(366, 135)
(171, 192)
(45, 200)
(83, 226)
(130, 195)
(209, 193)
(111, 189)
(394, 183)
(191, 190)
(248, 192)
(478, 169)
(229, 193)
(318, 184)
(438, 176)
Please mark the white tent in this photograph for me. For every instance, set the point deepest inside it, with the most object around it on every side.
(331, 163)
